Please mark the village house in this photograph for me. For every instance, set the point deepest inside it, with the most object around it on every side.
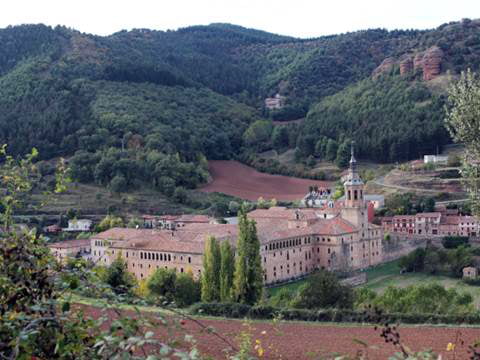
(293, 242)
(78, 225)
(64, 250)
(276, 102)
(171, 222)
(445, 222)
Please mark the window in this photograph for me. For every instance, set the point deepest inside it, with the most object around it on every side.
(189, 260)
(355, 195)
(349, 195)
(328, 251)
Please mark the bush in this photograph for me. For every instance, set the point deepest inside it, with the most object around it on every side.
(452, 242)
(187, 290)
(323, 290)
(162, 283)
(234, 310)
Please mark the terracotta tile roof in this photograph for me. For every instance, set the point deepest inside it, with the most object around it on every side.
(70, 244)
(189, 239)
(429, 215)
(450, 220)
(194, 218)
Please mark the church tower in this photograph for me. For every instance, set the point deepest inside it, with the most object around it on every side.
(355, 208)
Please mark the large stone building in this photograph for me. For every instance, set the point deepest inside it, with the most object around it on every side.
(294, 242)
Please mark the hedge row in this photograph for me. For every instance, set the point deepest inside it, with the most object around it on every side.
(234, 310)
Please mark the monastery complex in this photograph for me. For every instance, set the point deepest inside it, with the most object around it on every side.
(294, 242)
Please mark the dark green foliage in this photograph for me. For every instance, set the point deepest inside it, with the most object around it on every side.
(409, 204)
(435, 260)
(343, 154)
(211, 271)
(227, 267)
(429, 299)
(163, 283)
(62, 91)
(323, 290)
(235, 310)
(388, 121)
(452, 242)
(118, 277)
(248, 275)
(181, 288)
(413, 262)
(187, 290)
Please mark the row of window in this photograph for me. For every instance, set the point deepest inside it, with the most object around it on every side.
(159, 256)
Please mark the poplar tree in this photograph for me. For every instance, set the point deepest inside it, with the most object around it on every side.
(248, 282)
(227, 267)
(463, 122)
(211, 272)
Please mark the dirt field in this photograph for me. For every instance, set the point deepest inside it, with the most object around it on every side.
(295, 340)
(234, 178)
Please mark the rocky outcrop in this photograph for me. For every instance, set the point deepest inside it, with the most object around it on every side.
(406, 65)
(384, 67)
(418, 62)
(432, 63)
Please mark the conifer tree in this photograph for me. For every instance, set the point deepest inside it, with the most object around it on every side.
(248, 284)
(227, 267)
(211, 272)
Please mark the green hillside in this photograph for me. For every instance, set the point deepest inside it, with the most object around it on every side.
(149, 97)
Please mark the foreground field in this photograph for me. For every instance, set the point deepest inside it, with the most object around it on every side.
(298, 340)
(236, 179)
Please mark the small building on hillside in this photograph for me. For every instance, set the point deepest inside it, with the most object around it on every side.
(171, 222)
(69, 249)
(435, 159)
(470, 272)
(276, 102)
(79, 225)
(52, 229)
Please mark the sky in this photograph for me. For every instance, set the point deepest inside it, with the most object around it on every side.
(299, 18)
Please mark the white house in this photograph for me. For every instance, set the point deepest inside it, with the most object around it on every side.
(435, 159)
(79, 225)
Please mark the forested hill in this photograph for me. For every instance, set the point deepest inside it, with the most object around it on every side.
(161, 97)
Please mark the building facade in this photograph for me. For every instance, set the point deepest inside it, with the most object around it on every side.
(436, 224)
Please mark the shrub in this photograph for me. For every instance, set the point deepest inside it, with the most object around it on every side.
(162, 283)
(187, 290)
(452, 242)
(323, 290)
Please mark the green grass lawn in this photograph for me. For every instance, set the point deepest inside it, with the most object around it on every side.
(291, 287)
(383, 276)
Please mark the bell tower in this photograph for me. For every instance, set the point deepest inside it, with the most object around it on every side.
(354, 208)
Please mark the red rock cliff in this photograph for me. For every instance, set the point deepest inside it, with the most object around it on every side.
(432, 63)
(384, 67)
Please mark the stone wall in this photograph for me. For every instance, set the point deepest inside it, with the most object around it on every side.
(399, 246)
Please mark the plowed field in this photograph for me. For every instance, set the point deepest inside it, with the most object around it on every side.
(299, 340)
(236, 179)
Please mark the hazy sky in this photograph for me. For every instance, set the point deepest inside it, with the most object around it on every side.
(301, 18)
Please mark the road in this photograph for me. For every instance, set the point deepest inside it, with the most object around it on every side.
(381, 181)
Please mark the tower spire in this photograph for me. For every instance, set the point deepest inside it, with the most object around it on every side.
(353, 161)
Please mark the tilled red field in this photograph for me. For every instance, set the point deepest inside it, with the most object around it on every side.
(237, 179)
(298, 340)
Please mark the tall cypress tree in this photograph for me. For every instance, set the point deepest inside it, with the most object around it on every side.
(211, 272)
(248, 284)
(227, 267)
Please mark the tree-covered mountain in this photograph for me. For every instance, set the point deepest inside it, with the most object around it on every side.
(198, 92)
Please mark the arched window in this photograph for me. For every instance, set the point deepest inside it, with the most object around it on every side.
(349, 195)
(355, 195)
